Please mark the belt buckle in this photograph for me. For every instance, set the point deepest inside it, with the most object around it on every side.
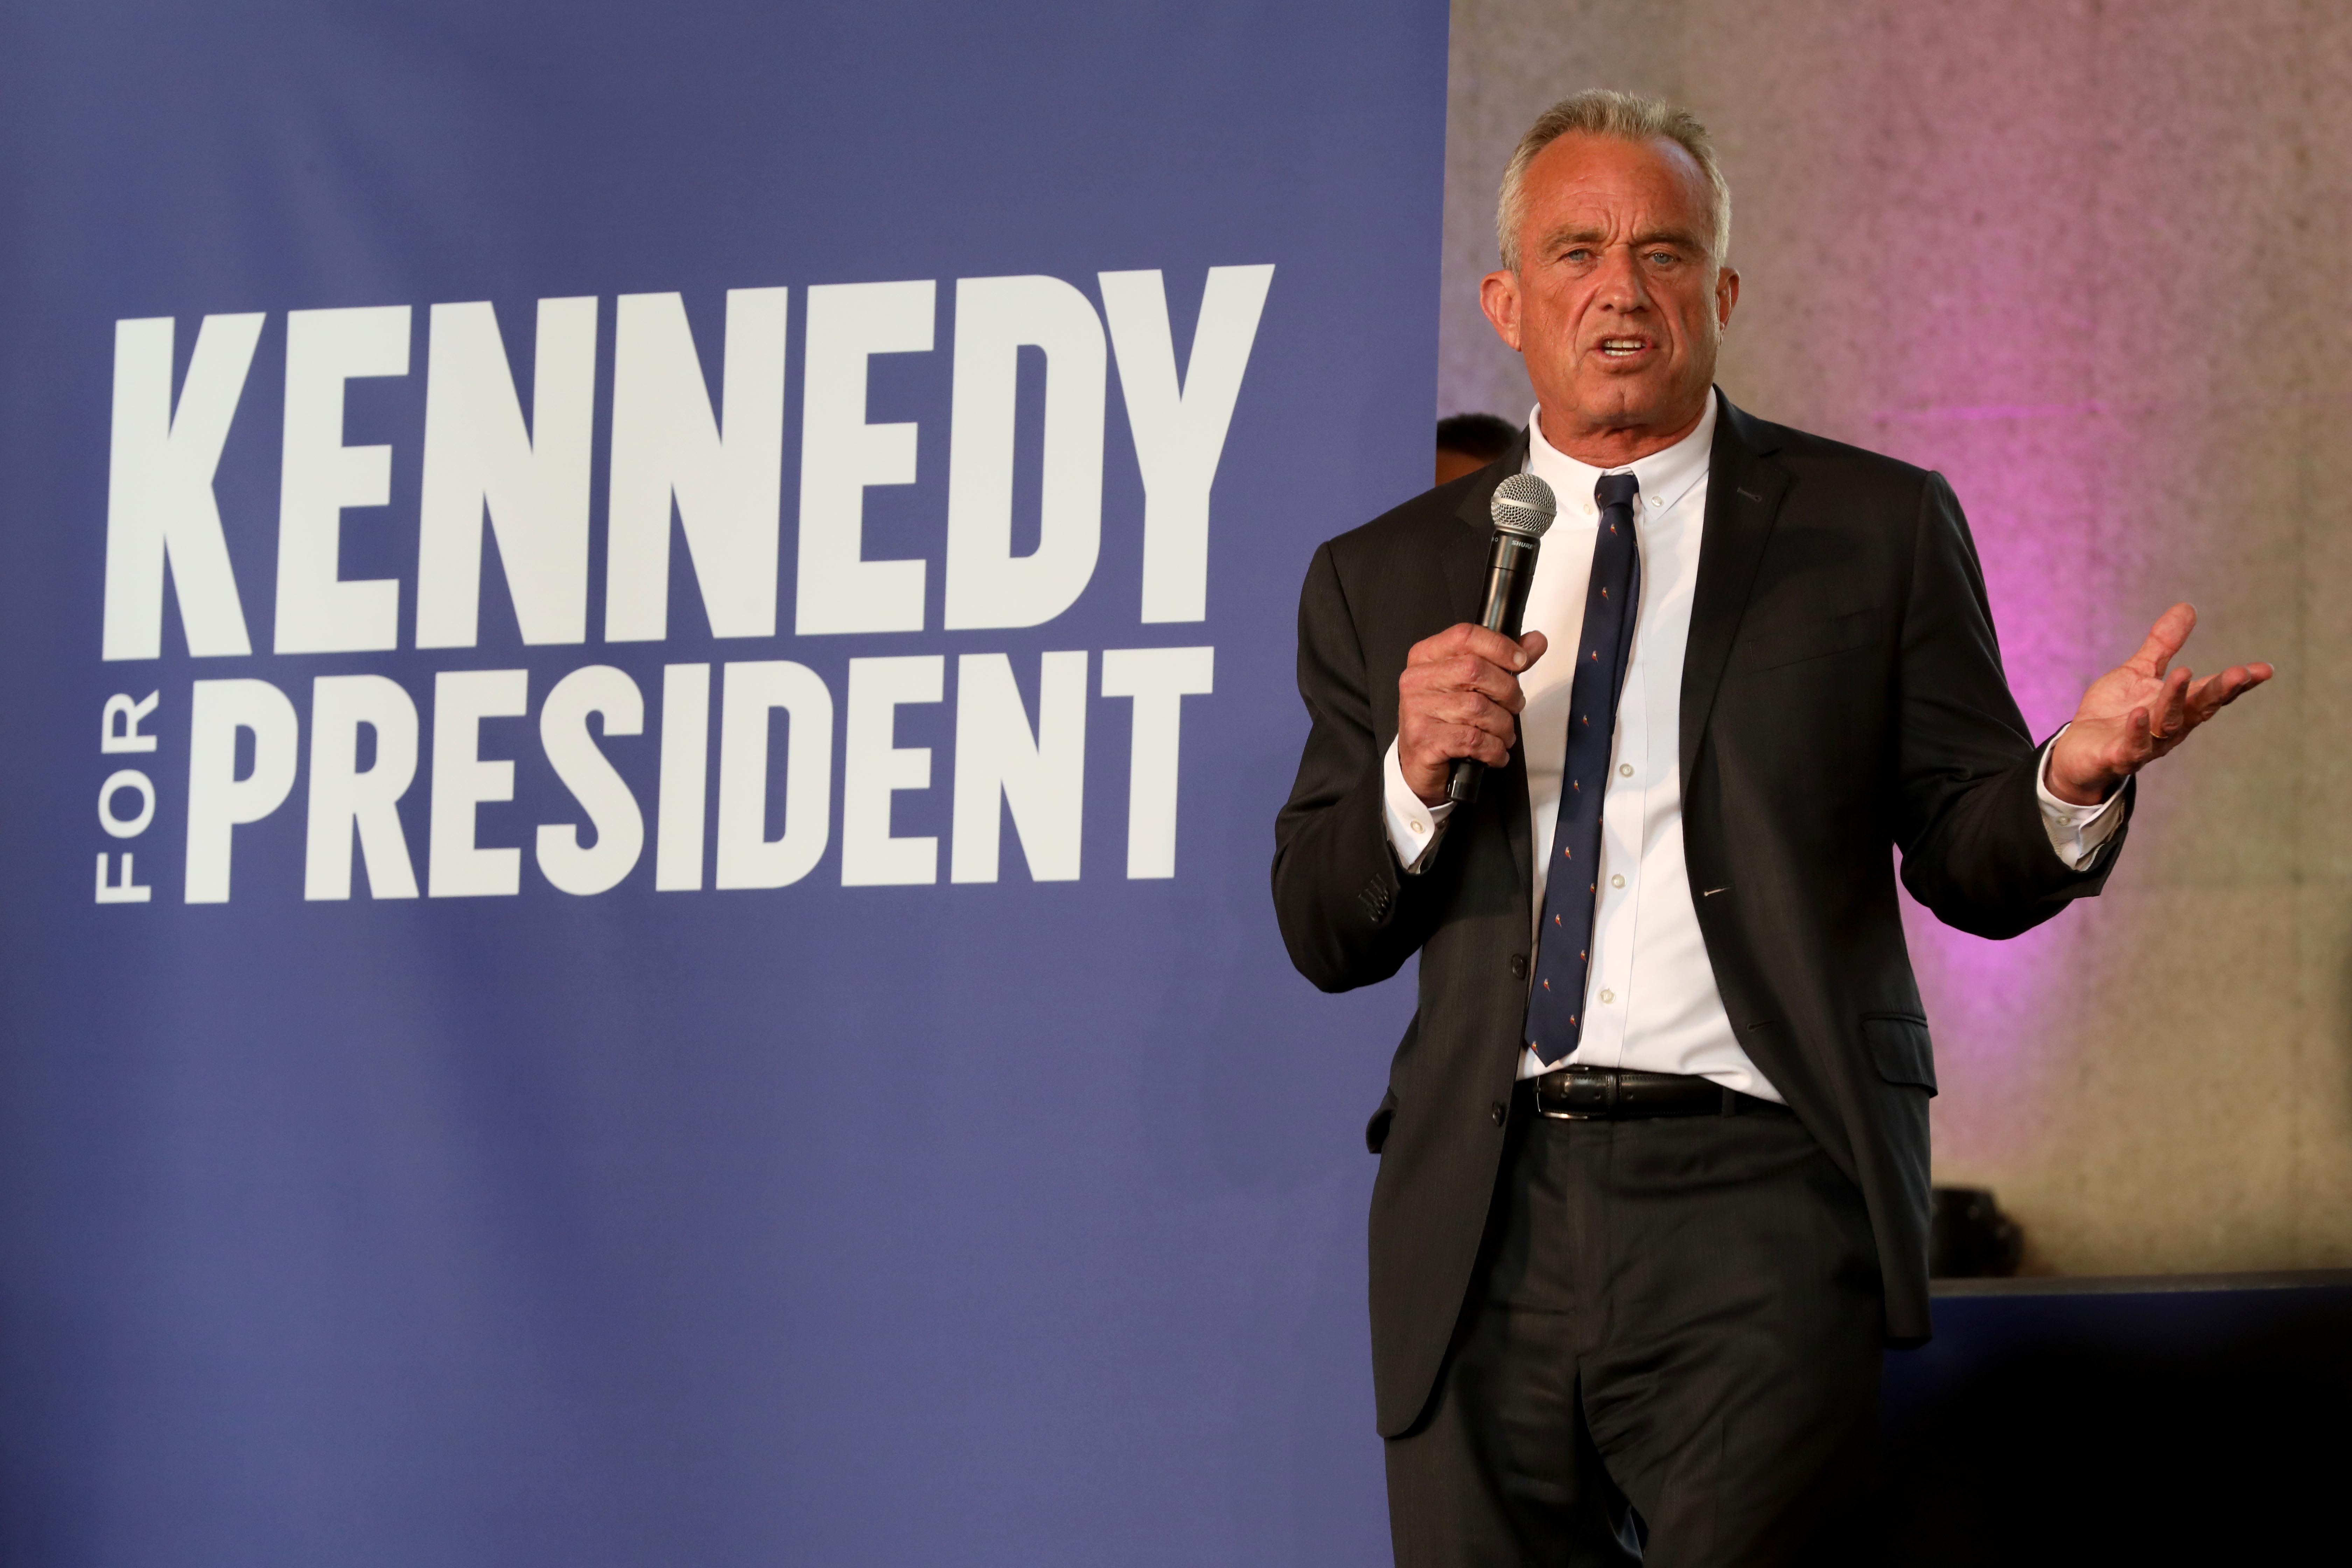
(1608, 1076)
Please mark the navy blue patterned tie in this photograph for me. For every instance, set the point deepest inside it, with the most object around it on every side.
(1564, 947)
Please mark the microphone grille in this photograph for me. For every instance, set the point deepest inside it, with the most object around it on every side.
(1523, 505)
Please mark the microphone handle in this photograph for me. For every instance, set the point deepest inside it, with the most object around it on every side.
(1510, 570)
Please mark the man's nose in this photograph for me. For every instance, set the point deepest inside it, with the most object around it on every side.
(1621, 284)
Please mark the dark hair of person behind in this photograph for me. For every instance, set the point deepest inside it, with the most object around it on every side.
(1481, 436)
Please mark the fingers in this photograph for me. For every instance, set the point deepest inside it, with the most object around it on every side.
(1476, 642)
(1473, 659)
(1459, 697)
(2164, 640)
(2215, 692)
(1469, 708)
(1434, 730)
(1459, 693)
(2208, 697)
(2241, 678)
(1442, 679)
(2118, 742)
(1444, 742)
(2169, 715)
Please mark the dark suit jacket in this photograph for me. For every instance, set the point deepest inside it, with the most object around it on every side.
(1841, 697)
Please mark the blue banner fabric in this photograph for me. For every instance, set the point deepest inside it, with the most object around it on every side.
(647, 666)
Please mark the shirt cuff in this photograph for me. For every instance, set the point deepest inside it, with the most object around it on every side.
(1414, 826)
(2077, 833)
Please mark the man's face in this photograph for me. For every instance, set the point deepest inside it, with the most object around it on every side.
(1618, 305)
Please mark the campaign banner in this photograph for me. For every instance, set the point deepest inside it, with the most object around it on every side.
(648, 661)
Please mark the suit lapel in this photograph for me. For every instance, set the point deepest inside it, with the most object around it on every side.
(1744, 491)
(1463, 557)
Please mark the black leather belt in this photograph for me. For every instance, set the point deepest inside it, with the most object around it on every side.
(1577, 1094)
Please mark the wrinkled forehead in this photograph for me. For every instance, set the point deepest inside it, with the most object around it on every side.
(1609, 186)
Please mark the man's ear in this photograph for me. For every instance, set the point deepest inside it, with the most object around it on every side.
(1726, 295)
(1498, 296)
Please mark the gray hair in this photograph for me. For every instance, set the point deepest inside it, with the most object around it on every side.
(1622, 117)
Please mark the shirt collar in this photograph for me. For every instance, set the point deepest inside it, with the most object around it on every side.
(1665, 476)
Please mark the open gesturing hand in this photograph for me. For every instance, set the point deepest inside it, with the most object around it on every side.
(2139, 710)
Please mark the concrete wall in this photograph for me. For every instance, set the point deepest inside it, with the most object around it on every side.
(2090, 261)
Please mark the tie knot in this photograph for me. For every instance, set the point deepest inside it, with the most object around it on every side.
(1616, 489)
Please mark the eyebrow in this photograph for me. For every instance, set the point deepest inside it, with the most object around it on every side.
(1588, 236)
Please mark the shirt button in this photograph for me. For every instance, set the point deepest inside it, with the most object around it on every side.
(1609, 996)
(1618, 880)
(1420, 827)
(1624, 770)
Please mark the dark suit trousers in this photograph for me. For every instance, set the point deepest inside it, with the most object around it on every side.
(1674, 1333)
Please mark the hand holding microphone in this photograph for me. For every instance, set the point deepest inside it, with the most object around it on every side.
(1459, 699)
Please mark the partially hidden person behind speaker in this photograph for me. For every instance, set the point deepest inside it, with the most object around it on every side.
(1653, 1188)
(1468, 442)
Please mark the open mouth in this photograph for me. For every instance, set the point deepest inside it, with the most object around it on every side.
(1622, 348)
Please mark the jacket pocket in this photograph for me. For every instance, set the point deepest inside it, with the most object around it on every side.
(1376, 1131)
(1900, 1049)
(1832, 634)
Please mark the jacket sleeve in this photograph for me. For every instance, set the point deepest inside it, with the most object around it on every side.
(1968, 822)
(1348, 916)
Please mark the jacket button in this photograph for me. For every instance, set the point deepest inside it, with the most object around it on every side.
(1498, 1113)
(1518, 967)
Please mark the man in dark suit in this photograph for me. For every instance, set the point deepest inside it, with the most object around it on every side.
(1653, 1157)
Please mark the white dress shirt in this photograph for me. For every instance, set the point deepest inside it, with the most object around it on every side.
(1650, 1002)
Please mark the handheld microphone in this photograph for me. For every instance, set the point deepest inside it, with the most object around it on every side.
(1523, 508)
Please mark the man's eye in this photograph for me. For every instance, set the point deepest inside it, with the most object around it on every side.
(1578, 254)
(1662, 259)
